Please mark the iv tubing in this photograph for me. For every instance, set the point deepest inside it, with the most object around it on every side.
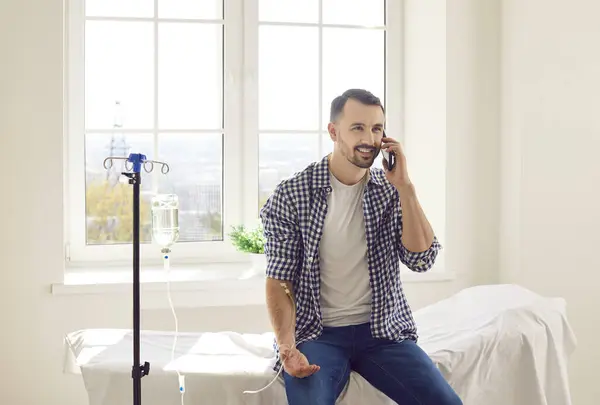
(167, 266)
(289, 294)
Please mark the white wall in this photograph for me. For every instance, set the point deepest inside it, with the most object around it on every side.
(550, 167)
(31, 99)
(473, 60)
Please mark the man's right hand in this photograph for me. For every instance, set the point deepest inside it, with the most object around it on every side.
(295, 363)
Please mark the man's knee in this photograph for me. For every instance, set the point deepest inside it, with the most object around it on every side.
(452, 399)
(316, 389)
(446, 396)
(324, 386)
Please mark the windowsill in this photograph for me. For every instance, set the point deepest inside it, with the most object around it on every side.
(217, 285)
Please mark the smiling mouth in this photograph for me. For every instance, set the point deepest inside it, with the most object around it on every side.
(366, 150)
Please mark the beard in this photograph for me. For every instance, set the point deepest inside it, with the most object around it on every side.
(363, 156)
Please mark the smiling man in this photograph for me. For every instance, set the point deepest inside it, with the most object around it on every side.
(335, 236)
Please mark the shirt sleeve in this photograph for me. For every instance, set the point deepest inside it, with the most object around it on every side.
(419, 262)
(282, 236)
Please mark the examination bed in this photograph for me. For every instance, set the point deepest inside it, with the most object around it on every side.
(496, 345)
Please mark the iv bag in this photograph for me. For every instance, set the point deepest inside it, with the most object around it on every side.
(165, 219)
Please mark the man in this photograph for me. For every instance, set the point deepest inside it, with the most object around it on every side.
(335, 236)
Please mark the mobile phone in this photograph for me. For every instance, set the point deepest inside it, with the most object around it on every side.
(390, 157)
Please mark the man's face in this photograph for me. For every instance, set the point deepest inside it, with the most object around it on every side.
(358, 132)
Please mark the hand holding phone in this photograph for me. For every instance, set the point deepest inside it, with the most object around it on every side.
(389, 157)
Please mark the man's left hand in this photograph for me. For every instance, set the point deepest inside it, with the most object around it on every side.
(398, 176)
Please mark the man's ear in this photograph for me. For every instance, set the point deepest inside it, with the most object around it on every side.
(332, 131)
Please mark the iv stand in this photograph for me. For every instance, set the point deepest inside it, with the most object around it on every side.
(137, 160)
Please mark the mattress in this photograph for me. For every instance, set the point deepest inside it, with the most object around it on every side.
(495, 344)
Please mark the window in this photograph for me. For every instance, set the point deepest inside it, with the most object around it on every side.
(233, 94)
(308, 53)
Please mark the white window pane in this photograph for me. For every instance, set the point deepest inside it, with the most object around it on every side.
(282, 155)
(196, 177)
(340, 73)
(327, 148)
(190, 76)
(288, 78)
(354, 12)
(119, 8)
(119, 67)
(197, 9)
(305, 11)
(109, 203)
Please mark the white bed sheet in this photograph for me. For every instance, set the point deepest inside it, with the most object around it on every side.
(496, 345)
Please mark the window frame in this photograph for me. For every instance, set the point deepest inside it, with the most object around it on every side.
(240, 168)
(76, 250)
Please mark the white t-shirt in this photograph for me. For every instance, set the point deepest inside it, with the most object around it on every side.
(345, 284)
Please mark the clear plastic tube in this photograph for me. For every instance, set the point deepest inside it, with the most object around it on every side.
(289, 294)
(167, 267)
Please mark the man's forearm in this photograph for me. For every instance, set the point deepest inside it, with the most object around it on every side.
(281, 312)
(417, 233)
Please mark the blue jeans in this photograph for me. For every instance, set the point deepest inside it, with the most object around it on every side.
(400, 370)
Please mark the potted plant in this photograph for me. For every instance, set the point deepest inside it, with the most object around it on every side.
(251, 242)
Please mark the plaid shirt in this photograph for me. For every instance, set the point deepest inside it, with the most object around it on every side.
(293, 219)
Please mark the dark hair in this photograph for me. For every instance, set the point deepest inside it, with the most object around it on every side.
(360, 95)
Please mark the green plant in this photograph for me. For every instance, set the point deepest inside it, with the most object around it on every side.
(248, 241)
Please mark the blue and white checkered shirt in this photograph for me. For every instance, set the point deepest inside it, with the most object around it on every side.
(293, 219)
